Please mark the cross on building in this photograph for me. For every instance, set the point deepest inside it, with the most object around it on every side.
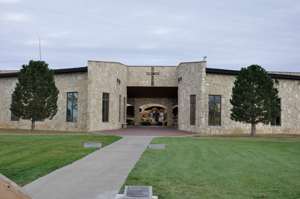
(152, 73)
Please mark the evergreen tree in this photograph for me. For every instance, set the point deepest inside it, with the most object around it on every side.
(35, 95)
(254, 97)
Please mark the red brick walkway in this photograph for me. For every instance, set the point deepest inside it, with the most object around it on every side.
(147, 131)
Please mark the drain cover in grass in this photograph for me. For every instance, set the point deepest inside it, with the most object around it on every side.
(96, 145)
(157, 146)
(138, 192)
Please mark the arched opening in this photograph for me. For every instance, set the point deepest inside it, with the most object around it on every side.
(175, 115)
(130, 114)
(153, 114)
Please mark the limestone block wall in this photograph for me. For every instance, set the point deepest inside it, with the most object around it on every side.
(289, 92)
(109, 77)
(137, 76)
(65, 83)
(113, 78)
(169, 103)
(191, 81)
(167, 76)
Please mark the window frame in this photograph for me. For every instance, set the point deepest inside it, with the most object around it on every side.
(120, 107)
(193, 109)
(13, 117)
(214, 123)
(274, 122)
(73, 119)
(105, 107)
(125, 109)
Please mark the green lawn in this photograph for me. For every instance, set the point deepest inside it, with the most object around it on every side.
(230, 168)
(23, 158)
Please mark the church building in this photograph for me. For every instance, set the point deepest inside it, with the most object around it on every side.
(190, 96)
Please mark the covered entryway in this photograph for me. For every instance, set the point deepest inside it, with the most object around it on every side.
(151, 106)
(153, 115)
(175, 115)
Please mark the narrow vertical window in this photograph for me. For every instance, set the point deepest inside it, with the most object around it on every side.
(214, 115)
(125, 110)
(192, 109)
(13, 117)
(120, 107)
(105, 107)
(276, 120)
(72, 106)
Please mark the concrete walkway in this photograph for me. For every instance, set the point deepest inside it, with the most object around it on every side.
(99, 175)
(147, 131)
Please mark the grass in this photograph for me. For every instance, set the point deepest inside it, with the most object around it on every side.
(24, 158)
(224, 168)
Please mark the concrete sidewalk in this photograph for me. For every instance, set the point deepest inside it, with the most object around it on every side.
(99, 175)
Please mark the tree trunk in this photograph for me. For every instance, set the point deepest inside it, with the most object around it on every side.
(32, 124)
(253, 129)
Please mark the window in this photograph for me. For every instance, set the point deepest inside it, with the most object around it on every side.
(276, 120)
(120, 107)
(118, 81)
(72, 106)
(13, 117)
(179, 79)
(125, 109)
(192, 109)
(105, 107)
(214, 118)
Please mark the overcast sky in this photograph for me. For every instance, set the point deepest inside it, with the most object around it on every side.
(231, 33)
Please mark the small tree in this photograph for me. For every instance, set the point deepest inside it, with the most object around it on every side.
(35, 95)
(254, 97)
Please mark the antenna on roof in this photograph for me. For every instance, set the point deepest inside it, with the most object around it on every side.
(40, 49)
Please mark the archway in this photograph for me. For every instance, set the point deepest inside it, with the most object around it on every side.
(130, 114)
(175, 115)
(153, 114)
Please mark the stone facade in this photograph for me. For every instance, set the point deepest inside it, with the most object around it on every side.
(289, 92)
(108, 77)
(65, 83)
(186, 79)
(191, 81)
(194, 79)
(141, 76)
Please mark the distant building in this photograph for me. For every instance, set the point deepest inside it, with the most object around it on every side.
(190, 96)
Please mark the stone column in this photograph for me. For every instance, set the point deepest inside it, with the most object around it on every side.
(191, 81)
(108, 77)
